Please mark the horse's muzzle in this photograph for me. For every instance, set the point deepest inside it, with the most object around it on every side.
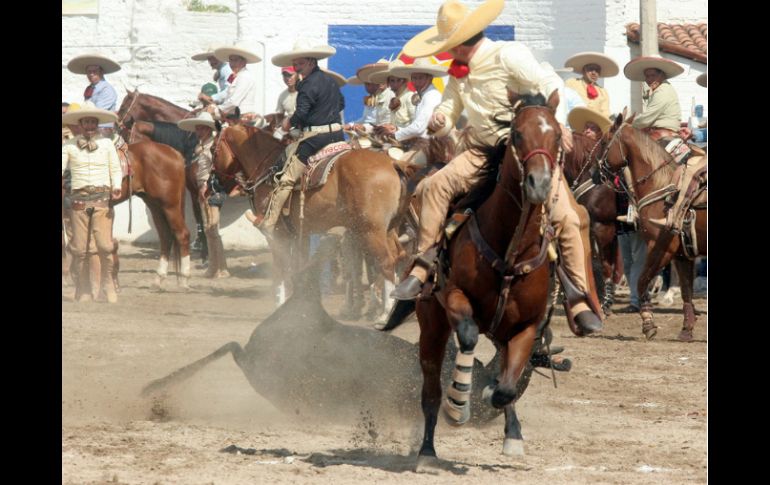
(537, 186)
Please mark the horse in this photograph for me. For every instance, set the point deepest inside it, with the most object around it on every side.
(652, 173)
(505, 297)
(584, 179)
(363, 193)
(138, 107)
(157, 177)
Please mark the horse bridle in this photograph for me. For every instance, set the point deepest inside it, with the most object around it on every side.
(250, 186)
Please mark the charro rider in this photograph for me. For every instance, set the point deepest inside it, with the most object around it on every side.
(99, 91)
(481, 71)
(401, 106)
(317, 115)
(96, 178)
(377, 102)
(592, 65)
(242, 92)
(222, 72)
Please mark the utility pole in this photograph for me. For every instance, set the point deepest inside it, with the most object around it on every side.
(648, 27)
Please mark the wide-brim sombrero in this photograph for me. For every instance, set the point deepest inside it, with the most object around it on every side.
(224, 53)
(303, 48)
(203, 118)
(420, 65)
(88, 110)
(79, 64)
(635, 68)
(580, 115)
(609, 67)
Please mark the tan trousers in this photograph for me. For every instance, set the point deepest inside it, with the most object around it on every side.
(217, 260)
(570, 219)
(101, 237)
(291, 175)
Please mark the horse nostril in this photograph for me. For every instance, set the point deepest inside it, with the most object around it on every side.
(531, 180)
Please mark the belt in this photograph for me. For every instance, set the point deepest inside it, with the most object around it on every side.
(330, 128)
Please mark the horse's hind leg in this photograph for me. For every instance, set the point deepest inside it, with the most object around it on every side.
(178, 230)
(376, 244)
(164, 236)
(685, 268)
(657, 258)
(434, 333)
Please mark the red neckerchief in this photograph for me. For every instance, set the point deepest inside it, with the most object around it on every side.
(88, 92)
(458, 69)
(592, 92)
(231, 78)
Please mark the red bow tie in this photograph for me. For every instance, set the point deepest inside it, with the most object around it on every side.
(458, 69)
(88, 92)
(592, 91)
(231, 78)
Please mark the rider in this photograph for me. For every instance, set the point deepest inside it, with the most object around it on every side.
(480, 73)
(222, 72)
(99, 91)
(319, 103)
(592, 65)
(401, 106)
(242, 92)
(377, 102)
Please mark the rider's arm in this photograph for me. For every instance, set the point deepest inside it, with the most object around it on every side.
(451, 107)
(422, 115)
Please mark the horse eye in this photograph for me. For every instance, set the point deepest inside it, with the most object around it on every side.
(515, 137)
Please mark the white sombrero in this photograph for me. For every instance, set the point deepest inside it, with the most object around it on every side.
(454, 25)
(581, 115)
(354, 81)
(578, 61)
(204, 118)
(381, 76)
(303, 48)
(203, 56)
(366, 70)
(224, 53)
(702, 80)
(88, 110)
(420, 65)
(79, 64)
(339, 78)
(634, 70)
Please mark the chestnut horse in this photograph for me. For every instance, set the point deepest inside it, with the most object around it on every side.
(497, 282)
(363, 193)
(582, 174)
(138, 106)
(652, 171)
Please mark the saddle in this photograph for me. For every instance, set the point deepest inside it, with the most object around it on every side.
(320, 165)
(692, 181)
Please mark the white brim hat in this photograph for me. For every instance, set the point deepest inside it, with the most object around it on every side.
(580, 115)
(354, 81)
(702, 80)
(578, 61)
(635, 68)
(420, 65)
(88, 110)
(79, 64)
(224, 53)
(204, 118)
(203, 56)
(454, 25)
(303, 48)
(366, 70)
(382, 76)
(338, 78)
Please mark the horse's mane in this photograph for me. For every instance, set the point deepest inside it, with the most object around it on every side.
(654, 155)
(579, 155)
(170, 134)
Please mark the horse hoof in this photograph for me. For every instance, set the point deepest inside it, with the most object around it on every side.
(513, 447)
(456, 415)
(650, 331)
(486, 394)
(157, 284)
(426, 464)
(685, 335)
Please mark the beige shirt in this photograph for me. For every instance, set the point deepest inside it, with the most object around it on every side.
(204, 159)
(600, 103)
(660, 109)
(98, 168)
(482, 93)
(287, 103)
(382, 113)
(404, 115)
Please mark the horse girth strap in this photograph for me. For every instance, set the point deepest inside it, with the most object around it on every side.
(583, 189)
(655, 196)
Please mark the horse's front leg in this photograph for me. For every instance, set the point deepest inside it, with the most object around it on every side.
(457, 406)
(685, 269)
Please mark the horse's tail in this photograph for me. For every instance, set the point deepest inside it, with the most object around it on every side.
(188, 371)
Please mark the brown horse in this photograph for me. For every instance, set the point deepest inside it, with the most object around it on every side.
(652, 170)
(158, 179)
(138, 106)
(504, 296)
(363, 193)
(581, 172)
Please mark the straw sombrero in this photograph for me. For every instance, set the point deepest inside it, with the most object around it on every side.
(78, 64)
(420, 65)
(702, 80)
(339, 78)
(634, 70)
(303, 48)
(454, 25)
(204, 118)
(381, 76)
(203, 56)
(88, 110)
(580, 115)
(224, 53)
(354, 81)
(578, 61)
(366, 70)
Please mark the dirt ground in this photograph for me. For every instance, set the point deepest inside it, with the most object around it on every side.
(629, 412)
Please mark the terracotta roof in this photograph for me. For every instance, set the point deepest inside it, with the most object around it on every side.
(686, 40)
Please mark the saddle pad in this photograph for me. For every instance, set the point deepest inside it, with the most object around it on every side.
(315, 175)
(328, 151)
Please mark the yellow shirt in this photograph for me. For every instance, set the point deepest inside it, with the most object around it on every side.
(660, 109)
(483, 95)
(601, 103)
(98, 168)
(404, 115)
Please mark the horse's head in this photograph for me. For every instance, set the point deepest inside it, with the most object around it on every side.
(225, 163)
(535, 143)
(614, 154)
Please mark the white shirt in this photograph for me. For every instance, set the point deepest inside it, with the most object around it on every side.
(429, 99)
(242, 93)
(287, 103)
(98, 168)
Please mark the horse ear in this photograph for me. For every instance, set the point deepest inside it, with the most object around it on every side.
(512, 97)
(630, 119)
(553, 100)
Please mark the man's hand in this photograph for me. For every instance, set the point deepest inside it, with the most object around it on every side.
(395, 103)
(437, 122)
(286, 125)
(385, 129)
(566, 139)
(116, 194)
(206, 99)
(202, 193)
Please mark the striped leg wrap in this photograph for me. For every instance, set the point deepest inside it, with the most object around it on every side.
(457, 405)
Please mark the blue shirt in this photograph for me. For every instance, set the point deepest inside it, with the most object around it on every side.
(224, 72)
(104, 96)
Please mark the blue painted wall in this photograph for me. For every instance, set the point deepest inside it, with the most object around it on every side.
(363, 44)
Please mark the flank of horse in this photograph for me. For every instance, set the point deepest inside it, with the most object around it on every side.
(652, 170)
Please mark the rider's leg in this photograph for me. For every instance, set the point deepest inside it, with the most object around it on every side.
(435, 193)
